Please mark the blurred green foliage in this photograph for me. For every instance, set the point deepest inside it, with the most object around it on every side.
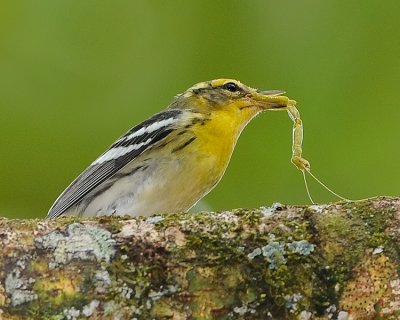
(74, 75)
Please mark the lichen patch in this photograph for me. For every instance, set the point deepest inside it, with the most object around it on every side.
(18, 286)
(78, 242)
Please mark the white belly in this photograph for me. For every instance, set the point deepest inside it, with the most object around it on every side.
(168, 185)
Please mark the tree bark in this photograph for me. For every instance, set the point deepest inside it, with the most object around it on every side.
(331, 261)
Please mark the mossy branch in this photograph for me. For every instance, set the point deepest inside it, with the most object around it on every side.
(337, 261)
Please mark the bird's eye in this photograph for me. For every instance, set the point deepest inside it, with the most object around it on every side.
(230, 86)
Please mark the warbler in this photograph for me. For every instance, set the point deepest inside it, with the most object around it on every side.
(170, 161)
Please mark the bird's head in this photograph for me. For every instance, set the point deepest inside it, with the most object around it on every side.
(228, 96)
(229, 93)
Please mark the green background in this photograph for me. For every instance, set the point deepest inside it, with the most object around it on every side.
(75, 75)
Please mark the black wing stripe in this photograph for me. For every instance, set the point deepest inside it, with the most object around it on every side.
(92, 174)
(90, 179)
(98, 173)
(168, 114)
(77, 190)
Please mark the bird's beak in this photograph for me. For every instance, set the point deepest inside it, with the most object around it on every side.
(270, 99)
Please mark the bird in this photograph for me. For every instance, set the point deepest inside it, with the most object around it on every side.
(170, 161)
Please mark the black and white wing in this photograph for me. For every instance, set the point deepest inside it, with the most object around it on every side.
(123, 151)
